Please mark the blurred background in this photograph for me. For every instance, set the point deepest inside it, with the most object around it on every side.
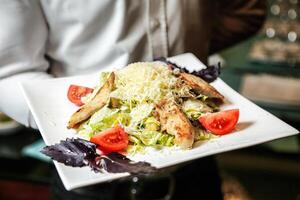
(265, 69)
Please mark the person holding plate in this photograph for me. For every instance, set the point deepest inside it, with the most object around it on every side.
(46, 39)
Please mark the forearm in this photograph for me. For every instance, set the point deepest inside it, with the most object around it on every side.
(234, 21)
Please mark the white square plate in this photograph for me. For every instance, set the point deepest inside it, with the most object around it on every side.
(51, 109)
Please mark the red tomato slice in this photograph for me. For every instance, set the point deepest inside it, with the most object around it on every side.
(113, 139)
(75, 93)
(220, 123)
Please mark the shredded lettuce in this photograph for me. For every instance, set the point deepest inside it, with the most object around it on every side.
(149, 138)
(194, 108)
(152, 124)
(140, 112)
(166, 140)
(106, 118)
(201, 134)
(86, 133)
(135, 148)
(208, 102)
(193, 114)
(145, 138)
(134, 139)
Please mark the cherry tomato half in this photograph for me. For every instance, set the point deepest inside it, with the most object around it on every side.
(75, 93)
(113, 139)
(220, 123)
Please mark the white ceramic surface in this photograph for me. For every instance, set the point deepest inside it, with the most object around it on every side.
(51, 109)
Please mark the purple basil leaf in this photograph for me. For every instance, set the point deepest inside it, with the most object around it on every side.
(209, 74)
(78, 153)
(72, 152)
(117, 163)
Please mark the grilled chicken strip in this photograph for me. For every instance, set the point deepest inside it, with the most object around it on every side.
(174, 121)
(99, 100)
(201, 86)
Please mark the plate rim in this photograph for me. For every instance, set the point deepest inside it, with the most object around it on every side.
(69, 186)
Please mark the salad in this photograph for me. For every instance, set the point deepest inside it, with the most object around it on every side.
(150, 104)
(144, 105)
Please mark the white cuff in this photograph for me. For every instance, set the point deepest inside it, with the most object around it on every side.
(12, 102)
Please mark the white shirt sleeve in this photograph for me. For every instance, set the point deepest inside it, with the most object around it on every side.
(23, 39)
